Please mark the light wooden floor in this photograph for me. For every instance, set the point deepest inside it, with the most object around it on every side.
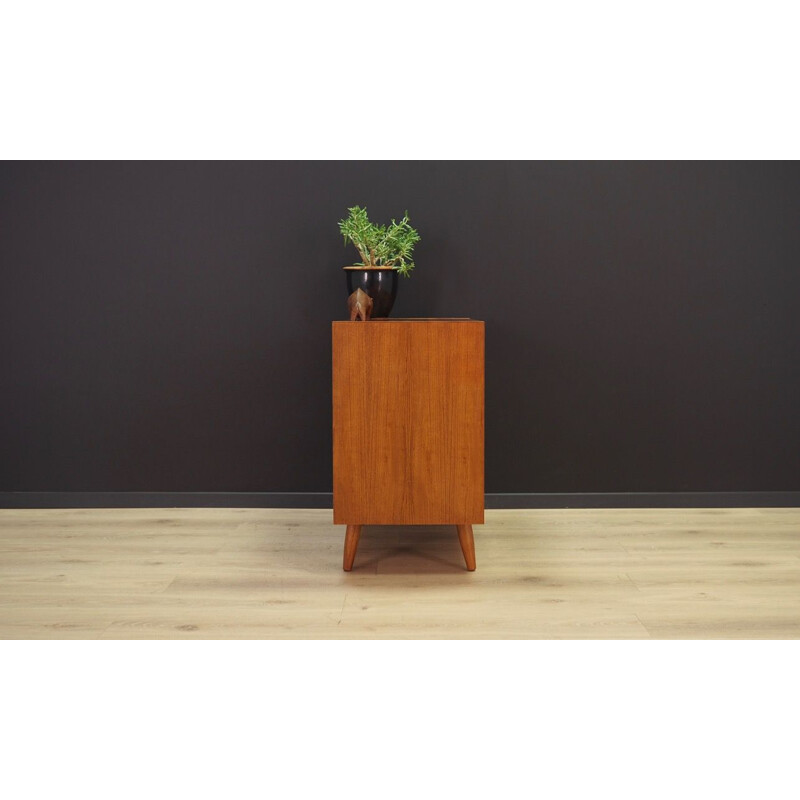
(267, 573)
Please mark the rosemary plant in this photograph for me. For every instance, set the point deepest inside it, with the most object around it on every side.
(380, 245)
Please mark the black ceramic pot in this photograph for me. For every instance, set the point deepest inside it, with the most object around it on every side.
(380, 283)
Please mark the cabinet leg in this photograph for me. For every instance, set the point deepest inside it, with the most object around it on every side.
(350, 546)
(467, 545)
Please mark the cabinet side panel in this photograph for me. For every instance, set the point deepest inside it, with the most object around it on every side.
(348, 404)
(408, 423)
(446, 397)
(370, 423)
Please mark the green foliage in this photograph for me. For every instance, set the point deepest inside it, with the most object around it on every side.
(380, 245)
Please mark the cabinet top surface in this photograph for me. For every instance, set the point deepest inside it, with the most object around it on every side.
(386, 320)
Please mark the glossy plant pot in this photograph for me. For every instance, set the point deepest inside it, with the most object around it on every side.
(380, 283)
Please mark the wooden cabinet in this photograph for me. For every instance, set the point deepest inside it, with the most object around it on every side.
(408, 426)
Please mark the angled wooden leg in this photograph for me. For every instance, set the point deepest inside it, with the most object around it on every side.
(350, 546)
(467, 545)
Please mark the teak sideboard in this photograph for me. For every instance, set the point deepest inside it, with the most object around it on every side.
(408, 411)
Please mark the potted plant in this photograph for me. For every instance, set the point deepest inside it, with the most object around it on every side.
(385, 251)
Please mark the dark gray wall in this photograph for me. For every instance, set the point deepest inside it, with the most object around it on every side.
(166, 326)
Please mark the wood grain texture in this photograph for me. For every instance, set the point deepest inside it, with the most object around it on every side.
(408, 422)
(274, 574)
